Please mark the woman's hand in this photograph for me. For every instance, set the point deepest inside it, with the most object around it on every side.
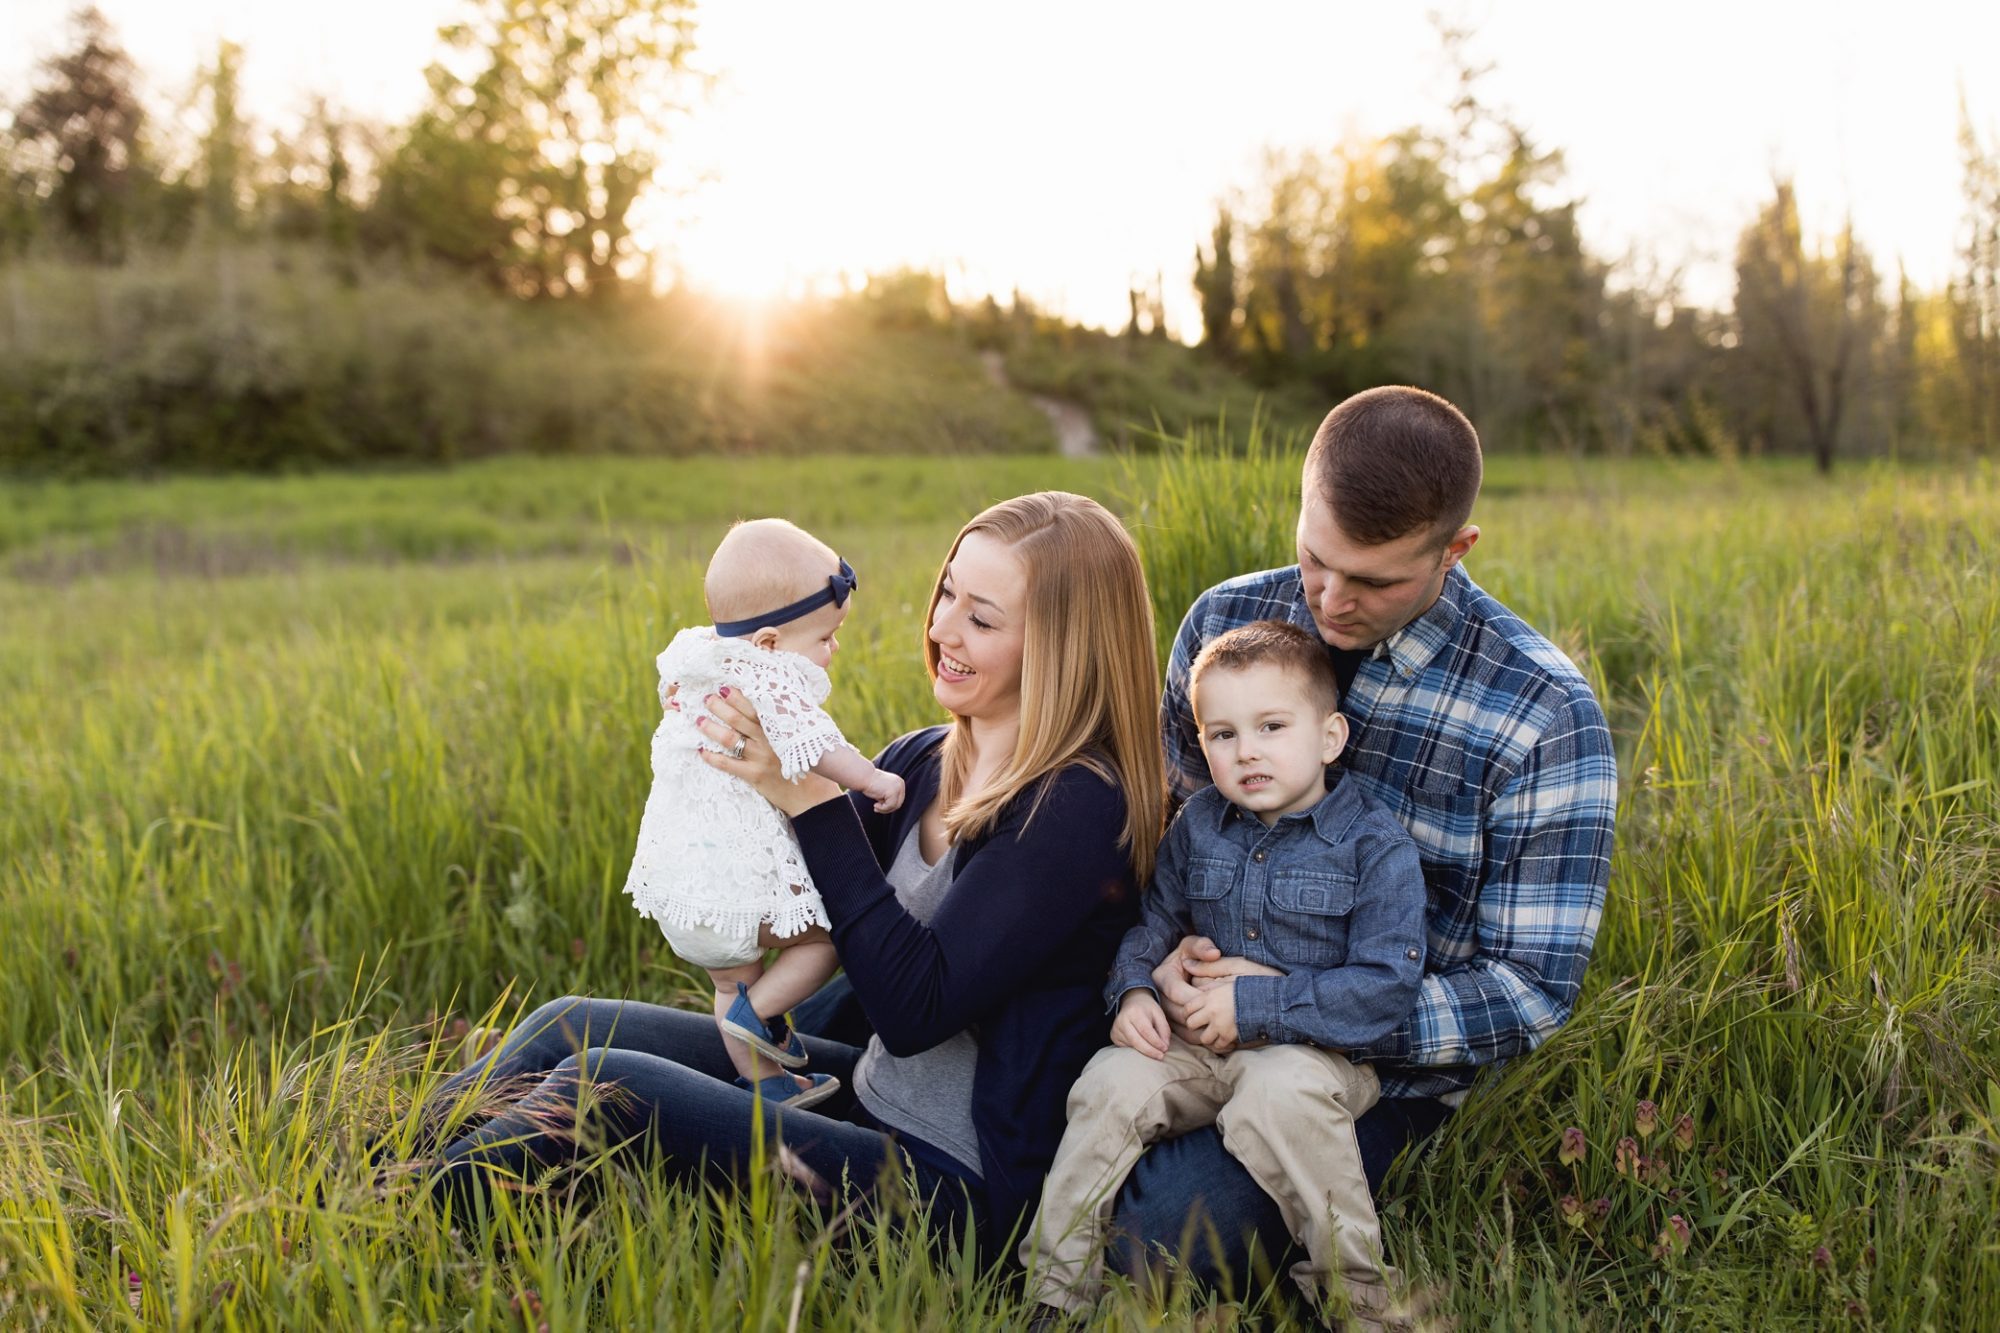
(734, 726)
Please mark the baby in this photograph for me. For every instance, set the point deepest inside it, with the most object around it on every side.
(1320, 887)
(717, 865)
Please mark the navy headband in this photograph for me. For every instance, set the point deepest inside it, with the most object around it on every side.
(838, 586)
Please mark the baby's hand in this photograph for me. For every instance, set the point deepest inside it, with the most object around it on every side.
(1141, 1024)
(885, 789)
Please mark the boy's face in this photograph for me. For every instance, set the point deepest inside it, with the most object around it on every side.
(812, 637)
(1267, 742)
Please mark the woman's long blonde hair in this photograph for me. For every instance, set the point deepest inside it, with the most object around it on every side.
(1090, 686)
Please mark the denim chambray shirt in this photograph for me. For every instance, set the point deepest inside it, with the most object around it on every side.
(1334, 895)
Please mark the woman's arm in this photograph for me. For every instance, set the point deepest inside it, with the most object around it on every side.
(1015, 903)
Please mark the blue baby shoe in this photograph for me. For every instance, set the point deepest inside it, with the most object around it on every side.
(782, 1090)
(742, 1023)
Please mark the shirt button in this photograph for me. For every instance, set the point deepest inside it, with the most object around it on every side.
(1250, 934)
(1410, 954)
(1256, 856)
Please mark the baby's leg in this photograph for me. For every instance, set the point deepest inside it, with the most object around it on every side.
(1290, 1121)
(1122, 1102)
(805, 962)
(726, 980)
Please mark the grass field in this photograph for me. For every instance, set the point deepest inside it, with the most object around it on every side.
(300, 775)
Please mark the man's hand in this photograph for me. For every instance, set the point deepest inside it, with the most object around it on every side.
(1194, 966)
(1212, 1017)
(1172, 981)
(1141, 1024)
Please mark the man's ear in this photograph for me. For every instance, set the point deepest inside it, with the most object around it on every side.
(1461, 541)
(765, 638)
(1336, 736)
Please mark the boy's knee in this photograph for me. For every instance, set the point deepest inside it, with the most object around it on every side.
(1117, 1081)
(1293, 1089)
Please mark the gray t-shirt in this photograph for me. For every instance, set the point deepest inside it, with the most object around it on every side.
(928, 1094)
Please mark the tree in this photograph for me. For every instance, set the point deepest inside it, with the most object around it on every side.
(1215, 284)
(1975, 289)
(308, 187)
(79, 130)
(225, 146)
(543, 127)
(1806, 323)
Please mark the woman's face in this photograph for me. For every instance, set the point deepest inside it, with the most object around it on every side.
(979, 626)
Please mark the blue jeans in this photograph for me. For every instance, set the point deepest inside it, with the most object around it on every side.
(672, 1093)
(1188, 1197)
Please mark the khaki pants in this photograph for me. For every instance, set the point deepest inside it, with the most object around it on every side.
(1285, 1112)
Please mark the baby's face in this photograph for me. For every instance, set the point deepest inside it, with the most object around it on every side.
(814, 637)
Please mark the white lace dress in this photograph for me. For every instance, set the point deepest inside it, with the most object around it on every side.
(712, 852)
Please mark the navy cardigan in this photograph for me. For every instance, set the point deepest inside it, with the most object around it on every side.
(1016, 952)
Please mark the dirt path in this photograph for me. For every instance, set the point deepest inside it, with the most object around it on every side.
(1075, 436)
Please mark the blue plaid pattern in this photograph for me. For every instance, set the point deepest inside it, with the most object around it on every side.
(1487, 744)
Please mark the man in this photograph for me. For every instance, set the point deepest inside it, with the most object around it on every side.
(1480, 736)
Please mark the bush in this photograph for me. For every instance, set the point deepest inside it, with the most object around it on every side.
(271, 358)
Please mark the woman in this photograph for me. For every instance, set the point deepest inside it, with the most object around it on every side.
(976, 923)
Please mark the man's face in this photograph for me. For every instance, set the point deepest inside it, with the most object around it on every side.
(1360, 595)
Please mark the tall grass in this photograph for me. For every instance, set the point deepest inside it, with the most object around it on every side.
(271, 832)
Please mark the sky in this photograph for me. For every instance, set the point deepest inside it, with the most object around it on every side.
(1073, 149)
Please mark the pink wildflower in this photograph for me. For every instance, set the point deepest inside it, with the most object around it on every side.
(1625, 1160)
(1573, 1147)
(1646, 1118)
(1684, 1133)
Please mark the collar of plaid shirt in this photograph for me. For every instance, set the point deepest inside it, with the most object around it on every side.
(1411, 648)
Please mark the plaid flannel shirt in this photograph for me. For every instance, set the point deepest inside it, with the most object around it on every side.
(1487, 744)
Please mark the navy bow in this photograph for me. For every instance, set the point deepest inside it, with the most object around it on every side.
(835, 593)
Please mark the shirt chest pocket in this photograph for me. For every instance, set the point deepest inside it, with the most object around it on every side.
(1310, 911)
(1211, 900)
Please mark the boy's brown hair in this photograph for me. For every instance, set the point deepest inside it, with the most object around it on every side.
(1284, 645)
(1395, 460)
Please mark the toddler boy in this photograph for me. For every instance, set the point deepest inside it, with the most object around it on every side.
(1320, 885)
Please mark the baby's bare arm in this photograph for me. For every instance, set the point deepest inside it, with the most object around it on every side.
(845, 765)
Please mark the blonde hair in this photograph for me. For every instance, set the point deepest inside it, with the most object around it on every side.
(762, 564)
(1090, 686)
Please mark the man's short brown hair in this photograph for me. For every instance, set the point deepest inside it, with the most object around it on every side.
(1294, 651)
(1395, 460)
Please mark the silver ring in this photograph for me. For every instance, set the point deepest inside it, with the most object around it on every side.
(736, 751)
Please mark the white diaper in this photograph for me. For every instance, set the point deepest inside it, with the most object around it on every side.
(705, 946)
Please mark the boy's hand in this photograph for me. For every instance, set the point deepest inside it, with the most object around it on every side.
(1211, 1017)
(885, 789)
(1141, 1024)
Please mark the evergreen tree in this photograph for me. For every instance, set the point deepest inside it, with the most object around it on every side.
(79, 132)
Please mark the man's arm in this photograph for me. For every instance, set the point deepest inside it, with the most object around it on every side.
(1541, 894)
(1364, 999)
